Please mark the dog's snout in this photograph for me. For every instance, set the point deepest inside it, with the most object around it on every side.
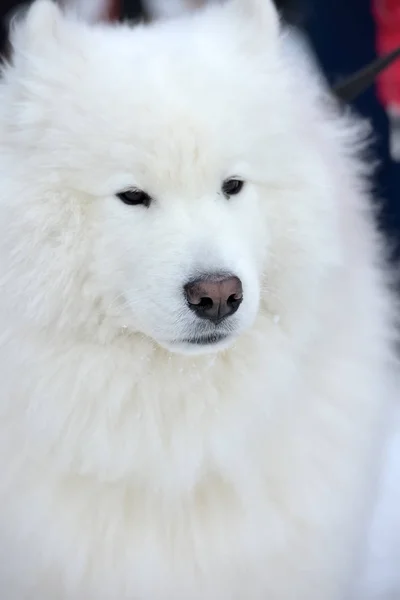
(214, 297)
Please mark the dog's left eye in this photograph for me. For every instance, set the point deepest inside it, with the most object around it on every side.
(231, 187)
(135, 197)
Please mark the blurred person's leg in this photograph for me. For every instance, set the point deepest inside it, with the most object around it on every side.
(132, 9)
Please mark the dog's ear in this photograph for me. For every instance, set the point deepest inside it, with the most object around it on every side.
(260, 16)
(262, 13)
(33, 27)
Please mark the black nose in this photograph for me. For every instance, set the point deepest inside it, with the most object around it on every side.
(214, 297)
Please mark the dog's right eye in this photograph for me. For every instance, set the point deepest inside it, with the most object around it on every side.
(135, 197)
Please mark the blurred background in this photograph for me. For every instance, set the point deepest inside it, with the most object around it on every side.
(345, 35)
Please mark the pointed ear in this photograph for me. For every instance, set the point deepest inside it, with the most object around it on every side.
(33, 28)
(260, 15)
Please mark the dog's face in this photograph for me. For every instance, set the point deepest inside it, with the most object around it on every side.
(159, 158)
(180, 233)
(179, 236)
(181, 243)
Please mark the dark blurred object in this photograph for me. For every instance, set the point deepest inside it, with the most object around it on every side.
(132, 9)
(6, 8)
(293, 11)
(349, 89)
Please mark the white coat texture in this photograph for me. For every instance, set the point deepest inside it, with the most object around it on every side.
(138, 462)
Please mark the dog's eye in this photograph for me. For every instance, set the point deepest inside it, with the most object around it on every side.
(135, 197)
(231, 187)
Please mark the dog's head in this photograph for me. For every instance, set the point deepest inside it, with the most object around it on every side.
(159, 179)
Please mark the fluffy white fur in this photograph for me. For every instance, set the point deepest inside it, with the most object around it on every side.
(134, 467)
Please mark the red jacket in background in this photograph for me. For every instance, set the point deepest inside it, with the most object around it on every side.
(387, 18)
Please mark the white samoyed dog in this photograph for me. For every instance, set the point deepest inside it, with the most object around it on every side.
(196, 329)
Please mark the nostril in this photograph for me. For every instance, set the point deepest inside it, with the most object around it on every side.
(234, 300)
(204, 303)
